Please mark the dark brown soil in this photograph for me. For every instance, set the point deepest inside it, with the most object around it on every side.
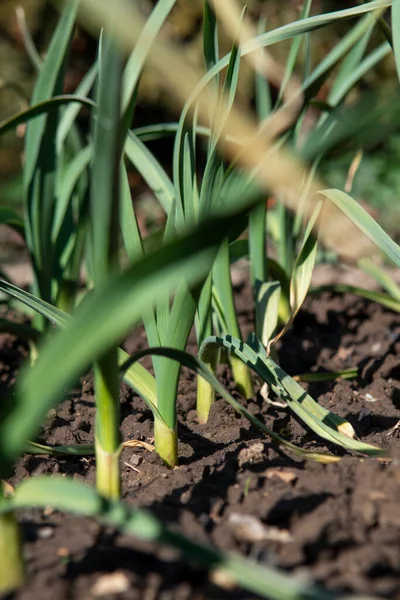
(338, 525)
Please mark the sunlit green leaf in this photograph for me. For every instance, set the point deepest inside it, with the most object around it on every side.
(323, 422)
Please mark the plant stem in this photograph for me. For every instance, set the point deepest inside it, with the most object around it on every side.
(166, 442)
(284, 310)
(12, 570)
(223, 284)
(107, 444)
(67, 295)
(285, 243)
(104, 211)
(165, 432)
(242, 377)
(204, 328)
(205, 391)
(205, 399)
(108, 473)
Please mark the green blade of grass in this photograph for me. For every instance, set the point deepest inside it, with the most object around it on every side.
(293, 52)
(258, 258)
(49, 312)
(302, 273)
(70, 178)
(71, 112)
(240, 249)
(12, 571)
(209, 197)
(223, 286)
(104, 221)
(232, 75)
(352, 73)
(261, 85)
(151, 170)
(364, 123)
(104, 197)
(68, 450)
(290, 30)
(257, 219)
(349, 64)
(173, 329)
(190, 204)
(211, 57)
(138, 57)
(327, 376)
(304, 265)
(210, 37)
(40, 109)
(41, 164)
(29, 44)
(342, 48)
(365, 222)
(267, 298)
(214, 171)
(149, 133)
(48, 81)
(129, 226)
(381, 277)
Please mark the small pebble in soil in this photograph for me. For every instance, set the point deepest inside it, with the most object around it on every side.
(45, 533)
(376, 348)
(111, 583)
(370, 398)
(248, 528)
(185, 496)
(135, 459)
(252, 455)
(283, 475)
(363, 414)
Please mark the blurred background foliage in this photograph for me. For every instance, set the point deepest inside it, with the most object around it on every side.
(377, 182)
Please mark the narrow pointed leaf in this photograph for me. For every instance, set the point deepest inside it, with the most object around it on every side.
(365, 222)
(151, 170)
(381, 277)
(47, 82)
(40, 109)
(323, 422)
(304, 265)
(267, 297)
(137, 59)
